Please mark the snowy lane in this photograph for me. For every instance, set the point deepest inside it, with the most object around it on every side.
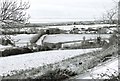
(34, 60)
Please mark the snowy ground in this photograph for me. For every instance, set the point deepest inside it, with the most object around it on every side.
(34, 60)
(22, 39)
(109, 68)
(71, 37)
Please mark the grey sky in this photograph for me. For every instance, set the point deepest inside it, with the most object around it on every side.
(69, 9)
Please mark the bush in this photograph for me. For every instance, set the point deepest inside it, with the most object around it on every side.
(113, 78)
(58, 74)
(45, 48)
(53, 31)
(12, 32)
(15, 51)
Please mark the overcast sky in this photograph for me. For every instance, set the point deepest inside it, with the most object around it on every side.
(68, 9)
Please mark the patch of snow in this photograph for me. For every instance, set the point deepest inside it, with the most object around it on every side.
(70, 44)
(34, 60)
(2, 48)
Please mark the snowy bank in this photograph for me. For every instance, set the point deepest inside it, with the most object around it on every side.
(109, 68)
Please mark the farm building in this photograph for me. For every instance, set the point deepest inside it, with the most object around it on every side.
(102, 30)
(75, 30)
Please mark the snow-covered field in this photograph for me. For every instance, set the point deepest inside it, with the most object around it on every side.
(22, 39)
(109, 68)
(34, 60)
(72, 37)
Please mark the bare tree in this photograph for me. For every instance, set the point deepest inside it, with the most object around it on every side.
(13, 12)
(111, 15)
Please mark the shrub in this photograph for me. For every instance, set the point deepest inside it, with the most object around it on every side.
(113, 78)
(58, 74)
(15, 51)
(53, 31)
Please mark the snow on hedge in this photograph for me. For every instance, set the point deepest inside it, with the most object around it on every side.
(56, 38)
(34, 60)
